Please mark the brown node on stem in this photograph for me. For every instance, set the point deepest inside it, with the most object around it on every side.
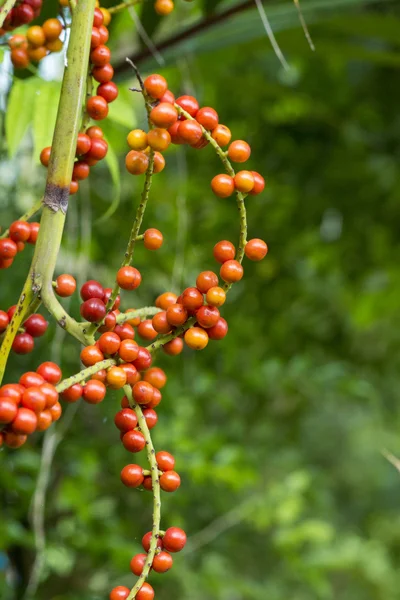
(56, 197)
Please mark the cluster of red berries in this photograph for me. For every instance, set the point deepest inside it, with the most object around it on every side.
(29, 405)
(91, 146)
(34, 326)
(20, 233)
(36, 44)
(171, 541)
(21, 14)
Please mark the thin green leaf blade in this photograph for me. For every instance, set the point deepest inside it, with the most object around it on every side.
(19, 113)
(44, 115)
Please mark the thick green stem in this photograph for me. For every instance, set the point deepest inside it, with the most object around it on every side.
(32, 211)
(151, 457)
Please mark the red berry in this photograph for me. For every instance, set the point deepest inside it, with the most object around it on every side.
(176, 315)
(174, 539)
(25, 421)
(143, 392)
(155, 85)
(128, 350)
(224, 251)
(133, 440)
(65, 286)
(223, 185)
(219, 331)
(156, 377)
(137, 563)
(91, 355)
(45, 419)
(103, 74)
(94, 391)
(8, 410)
(189, 104)
(8, 248)
(151, 416)
(192, 299)
(108, 91)
(146, 592)
(97, 107)
(158, 139)
(256, 249)
(160, 323)
(128, 278)
(34, 399)
(50, 393)
(119, 593)
(143, 360)
(126, 419)
(206, 280)
(190, 132)
(14, 440)
(98, 149)
(92, 289)
(95, 39)
(165, 461)
(93, 310)
(136, 162)
(73, 393)
(164, 115)
(259, 184)
(132, 476)
(20, 231)
(109, 343)
(100, 56)
(153, 239)
(207, 117)
(4, 320)
(80, 171)
(162, 562)
(83, 144)
(36, 325)
(13, 391)
(98, 18)
(30, 378)
(146, 330)
(23, 343)
(104, 35)
(168, 97)
(174, 347)
(131, 373)
(146, 539)
(170, 481)
(239, 151)
(231, 271)
(125, 332)
(34, 233)
(207, 316)
(94, 132)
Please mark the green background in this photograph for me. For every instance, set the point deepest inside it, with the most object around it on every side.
(279, 430)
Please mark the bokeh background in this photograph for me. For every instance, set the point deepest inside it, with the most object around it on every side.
(282, 431)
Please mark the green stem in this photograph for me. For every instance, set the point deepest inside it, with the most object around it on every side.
(89, 90)
(119, 7)
(5, 9)
(85, 374)
(32, 211)
(147, 311)
(151, 457)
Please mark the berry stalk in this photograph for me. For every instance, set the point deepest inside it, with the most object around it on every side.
(29, 214)
(5, 9)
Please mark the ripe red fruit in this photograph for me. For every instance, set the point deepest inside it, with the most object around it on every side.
(207, 316)
(170, 481)
(116, 378)
(93, 310)
(92, 289)
(256, 249)
(136, 162)
(168, 97)
(80, 171)
(36, 325)
(160, 323)
(98, 18)
(30, 378)
(14, 440)
(73, 393)
(19, 58)
(192, 299)
(239, 151)
(219, 331)
(143, 392)
(126, 419)
(25, 421)
(132, 476)
(164, 115)
(174, 539)
(176, 315)
(108, 91)
(216, 296)
(104, 35)
(125, 331)
(206, 280)
(190, 132)
(11, 311)
(4, 320)
(165, 300)
(224, 251)
(128, 350)
(109, 343)
(13, 391)
(34, 233)
(97, 107)
(23, 343)
(109, 323)
(196, 338)
(156, 377)
(50, 393)
(157, 397)
(144, 359)
(146, 539)
(134, 441)
(91, 355)
(259, 184)
(244, 181)
(95, 39)
(131, 373)
(146, 330)
(208, 117)
(45, 419)
(158, 139)
(174, 347)
(153, 239)
(137, 563)
(129, 278)
(34, 399)
(94, 391)
(162, 562)
(155, 85)
(119, 593)
(8, 410)
(222, 135)
(20, 231)
(65, 285)
(8, 248)
(231, 271)
(223, 185)
(73, 187)
(189, 104)
(165, 461)
(103, 74)
(98, 149)
(151, 416)
(100, 56)
(83, 144)
(146, 592)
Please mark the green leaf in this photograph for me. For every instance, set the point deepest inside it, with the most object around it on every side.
(112, 163)
(44, 115)
(122, 109)
(19, 112)
(210, 5)
(150, 20)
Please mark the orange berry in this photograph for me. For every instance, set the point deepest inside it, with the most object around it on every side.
(196, 338)
(259, 183)
(224, 251)
(159, 163)
(146, 330)
(18, 41)
(153, 239)
(174, 347)
(256, 249)
(164, 7)
(129, 278)
(156, 377)
(244, 181)
(37, 54)
(136, 162)
(206, 280)
(176, 315)
(164, 115)
(35, 36)
(239, 151)
(19, 58)
(137, 139)
(45, 156)
(222, 135)
(231, 271)
(116, 378)
(52, 29)
(54, 46)
(167, 299)
(216, 296)
(207, 117)
(223, 185)
(158, 139)
(91, 355)
(155, 85)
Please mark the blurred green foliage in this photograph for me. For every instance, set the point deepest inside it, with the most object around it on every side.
(278, 430)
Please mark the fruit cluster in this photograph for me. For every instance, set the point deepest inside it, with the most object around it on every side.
(29, 405)
(22, 13)
(36, 44)
(20, 233)
(33, 327)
